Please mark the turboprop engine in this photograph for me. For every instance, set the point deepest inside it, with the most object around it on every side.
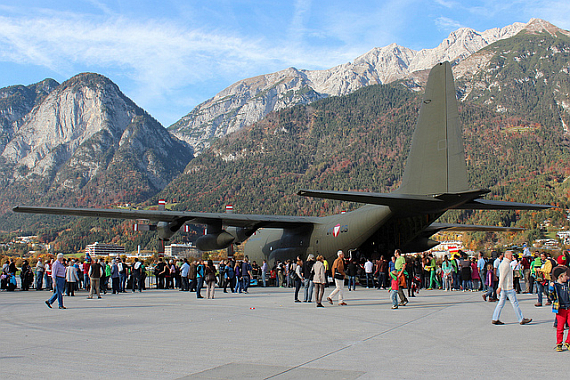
(419, 245)
(167, 229)
(221, 239)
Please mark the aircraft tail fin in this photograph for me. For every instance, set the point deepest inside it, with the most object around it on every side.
(436, 163)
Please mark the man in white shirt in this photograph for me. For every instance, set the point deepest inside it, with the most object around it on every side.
(505, 290)
(369, 269)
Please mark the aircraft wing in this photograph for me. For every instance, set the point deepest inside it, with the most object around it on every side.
(436, 227)
(237, 220)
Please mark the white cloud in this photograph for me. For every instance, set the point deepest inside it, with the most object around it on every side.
(444, 23)
(448, 4)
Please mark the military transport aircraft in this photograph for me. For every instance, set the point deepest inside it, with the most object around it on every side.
(434, 181)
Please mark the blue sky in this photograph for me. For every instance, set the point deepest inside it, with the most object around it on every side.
(170, 55)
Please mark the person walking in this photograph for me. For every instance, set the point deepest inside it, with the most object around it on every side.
(400, 266)
(58, 275)
(338, 275)
(506, 290)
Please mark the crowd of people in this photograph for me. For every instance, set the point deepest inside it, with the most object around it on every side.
(498, 276)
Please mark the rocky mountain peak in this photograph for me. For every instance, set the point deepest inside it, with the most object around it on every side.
(537, 25)
(87, 142)
(68, 116)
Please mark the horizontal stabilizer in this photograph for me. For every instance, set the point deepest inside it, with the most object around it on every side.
(390, 199)
(485, 204)
(465, 200)
(436, 227)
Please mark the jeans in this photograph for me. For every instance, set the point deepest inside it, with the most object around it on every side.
(122, 282)
(184, 283)
(447, 279)
(456, 280)
(86, 282)
(369, 280)
(264, 277)
(246, 280)
(352, 282)
(200, 283)
(490, 290)
(308, 290)
(512, 296)
(298, 284)
(48, 282)
(394, 297)
(381, 280)
(39, 280)
(137, 281)
(540, 290)
(59, 285)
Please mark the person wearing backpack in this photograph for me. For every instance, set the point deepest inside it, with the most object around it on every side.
(137, 274)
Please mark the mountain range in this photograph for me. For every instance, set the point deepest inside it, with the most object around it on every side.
(249, 100)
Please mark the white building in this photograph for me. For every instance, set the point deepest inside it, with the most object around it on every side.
(182, 250)
(564, 237)
(102, 249)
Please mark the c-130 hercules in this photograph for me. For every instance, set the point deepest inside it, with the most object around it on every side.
(434, 181)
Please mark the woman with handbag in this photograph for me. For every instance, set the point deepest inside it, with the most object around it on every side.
(210, 279)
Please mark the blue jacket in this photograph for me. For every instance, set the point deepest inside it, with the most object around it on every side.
(560, 296)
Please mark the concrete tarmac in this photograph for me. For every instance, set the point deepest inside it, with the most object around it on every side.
(169, 334)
